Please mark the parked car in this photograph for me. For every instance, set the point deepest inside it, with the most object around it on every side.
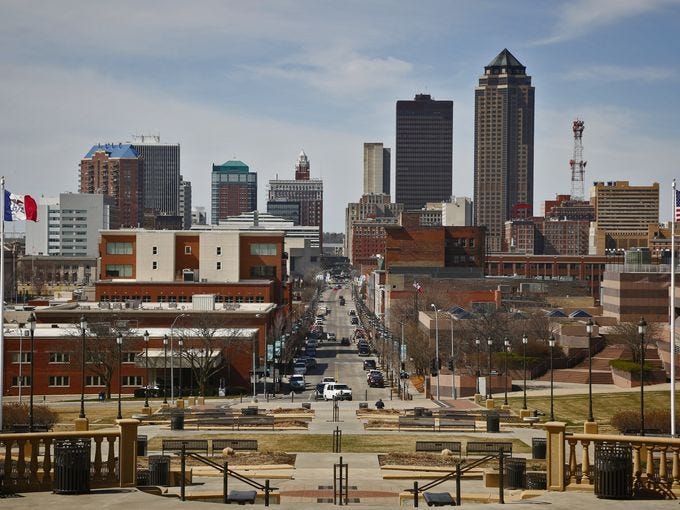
(337, 391)
(297, 382)
(331, 336)
(369, 364)
(352, 312)
(327, 380)
(363, 351)
(354, 320)
(369, 373)
(344, 341)
(300, 368)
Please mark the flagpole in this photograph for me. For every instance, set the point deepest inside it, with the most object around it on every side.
(672, 349)
(2, 294)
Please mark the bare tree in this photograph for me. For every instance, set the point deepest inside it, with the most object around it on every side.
(627, 334)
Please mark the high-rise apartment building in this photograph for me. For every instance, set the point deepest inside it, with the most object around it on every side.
(161, 173)
(185, 202)
(424, 145)
(376, 168)
(504, 145)
(115, 170)
(234, 190)
(623, 214)
(69, 225)
(307, 192)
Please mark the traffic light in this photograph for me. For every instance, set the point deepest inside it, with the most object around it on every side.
(451, 365)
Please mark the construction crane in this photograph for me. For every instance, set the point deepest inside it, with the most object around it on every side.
(578, 166)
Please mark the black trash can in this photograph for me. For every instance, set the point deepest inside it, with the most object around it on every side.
(613, 471)
(537, 480)
(515, 471)
(493, 422)
(418, 412)
(72, 466)
(142, 442)
(249, 411)
(159, 470)
(142, 477)
(177, 421)
(538, 448)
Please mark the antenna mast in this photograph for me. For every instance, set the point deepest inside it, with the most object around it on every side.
(578, 166)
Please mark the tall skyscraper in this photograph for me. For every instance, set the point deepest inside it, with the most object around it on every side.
(161, 173)
(376, 169)
(424, 160)
(307, 192)
(504, 145)
(234, 190)
(115, 170)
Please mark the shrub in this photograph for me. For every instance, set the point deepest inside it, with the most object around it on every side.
(657, 419)
(629, 366)
(15, 414)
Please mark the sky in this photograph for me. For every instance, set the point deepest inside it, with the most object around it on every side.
(260, 80)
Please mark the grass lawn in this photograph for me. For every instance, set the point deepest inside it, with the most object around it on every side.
(573, 409)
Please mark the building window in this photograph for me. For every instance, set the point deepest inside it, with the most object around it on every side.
(118, 270)
(25, 357)
(219, 266)
(154, 250)
(259, 299)
(219, 250)
(25, 381)
(94, 380)
(154, 265)
(187, 250)
(60, 357)
(118, 248)
(129, 357)
(262, 271)
(59, 380)
(263, 249)
(182, 299)
(146, 299)
(132, 380)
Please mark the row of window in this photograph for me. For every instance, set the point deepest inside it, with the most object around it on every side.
(65, 380)
(124, 248)
(61, 357)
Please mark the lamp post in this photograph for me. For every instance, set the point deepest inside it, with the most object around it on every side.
(489, 392)
(506, 342)
(83, 331)
(551, 343)
(589, 330)
(525, 340)
(642, 329)
(453, 364)
(146, 369)
(119, 341)
(165, 369)
(172, 359)
(31, 327)
(436, 343)
(478, 343)
(180, 342)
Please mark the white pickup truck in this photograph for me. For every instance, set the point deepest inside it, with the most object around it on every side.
(337, 391)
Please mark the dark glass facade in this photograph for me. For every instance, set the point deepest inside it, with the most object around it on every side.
(424, 145)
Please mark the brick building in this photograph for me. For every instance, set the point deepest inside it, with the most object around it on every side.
(234, 190)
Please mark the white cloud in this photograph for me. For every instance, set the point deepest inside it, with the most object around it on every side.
(611, 73)
(580, 17)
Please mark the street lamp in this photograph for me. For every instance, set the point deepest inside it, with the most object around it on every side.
(551, 343)
(119, 341)
(31, 327)
(146, 368)
(165, 368)
(506, 342)
(180, 342)
(83, 331)
(589, 330)
(453, 363)
(436, 344)
(489, 391)
(524, 344)
(642, 329)
(478, 343)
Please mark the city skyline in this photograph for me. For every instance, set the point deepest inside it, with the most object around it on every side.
(261, 82)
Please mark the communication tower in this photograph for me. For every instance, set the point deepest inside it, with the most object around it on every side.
(578, 166)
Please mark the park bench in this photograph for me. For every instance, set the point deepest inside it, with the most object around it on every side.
(192, 445)
(255, 421)
(222, 421)
(412, 422)
(452, 413)
(438, 446)
(438, 499)
(21, 428)
(457, 423)
(235, 444)
(488, 447)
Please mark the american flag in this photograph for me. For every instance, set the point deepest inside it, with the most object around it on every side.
(677, 205)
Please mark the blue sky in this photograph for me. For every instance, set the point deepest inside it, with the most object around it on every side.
(259, 81)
